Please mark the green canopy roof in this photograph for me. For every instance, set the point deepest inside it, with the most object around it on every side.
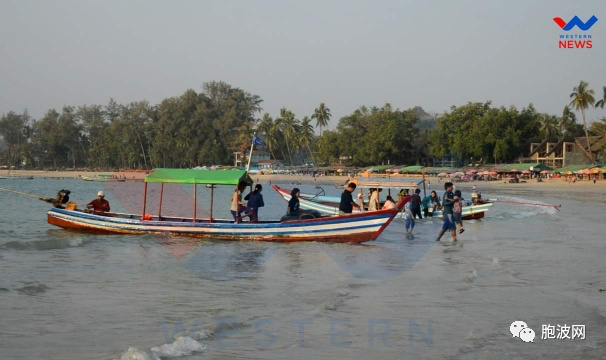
(412, 168)
(572, 168)
(190, 176)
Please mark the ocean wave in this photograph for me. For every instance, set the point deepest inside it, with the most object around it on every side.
(49, 244)
(34, 289)
(182, 346)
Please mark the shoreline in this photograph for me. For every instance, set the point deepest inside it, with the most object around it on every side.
(435, 184)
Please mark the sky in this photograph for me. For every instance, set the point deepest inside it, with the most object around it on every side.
(297, 54)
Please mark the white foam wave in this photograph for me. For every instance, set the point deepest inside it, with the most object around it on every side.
(134, 354)
(183, 346)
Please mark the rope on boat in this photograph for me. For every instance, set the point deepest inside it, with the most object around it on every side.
(557, 207)
(39, 197)
(21, 193)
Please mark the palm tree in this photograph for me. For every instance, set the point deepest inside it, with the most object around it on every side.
(549, 126)
(582, 97)
(322, 116)
(266, 126)
(287, 126)
(602, 101)
(306, 135)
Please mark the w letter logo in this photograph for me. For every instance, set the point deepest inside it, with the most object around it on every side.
(575, 21)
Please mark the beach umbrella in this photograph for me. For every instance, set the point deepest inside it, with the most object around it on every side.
(568, 172)
(492, 173)
(525, 172)
(596, 170)
(442, 174)
(514, 170)
(544, 172)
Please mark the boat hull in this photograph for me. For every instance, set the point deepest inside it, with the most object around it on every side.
(355, 228)
(469, 212)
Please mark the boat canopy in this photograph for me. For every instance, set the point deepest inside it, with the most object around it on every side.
(191, 176)
(399, 182)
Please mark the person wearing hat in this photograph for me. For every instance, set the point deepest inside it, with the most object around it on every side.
(99, 204)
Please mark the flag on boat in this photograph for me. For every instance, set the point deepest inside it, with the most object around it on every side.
(257, 141)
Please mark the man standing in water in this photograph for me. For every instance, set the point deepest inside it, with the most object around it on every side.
(347, 203)
(447, 212)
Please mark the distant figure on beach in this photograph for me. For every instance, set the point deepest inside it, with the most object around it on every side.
(237, 206)
(347, 203)
(415, 201)
(594, 178)
(373, 202)
(389, 203)
(255, 201)
(448, 223)
(457, 210)
(293, 203)
(99, 204)
(409, 217)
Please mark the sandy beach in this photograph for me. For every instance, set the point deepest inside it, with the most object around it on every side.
(433, 182)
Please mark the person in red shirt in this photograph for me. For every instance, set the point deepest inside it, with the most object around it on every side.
(99, 204)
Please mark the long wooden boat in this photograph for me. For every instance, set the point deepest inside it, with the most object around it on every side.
(328, 206)
(102, 178)
(354, 228)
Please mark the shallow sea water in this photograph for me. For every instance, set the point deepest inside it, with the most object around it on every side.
(71, 295)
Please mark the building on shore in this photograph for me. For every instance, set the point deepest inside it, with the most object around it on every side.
(558, 153)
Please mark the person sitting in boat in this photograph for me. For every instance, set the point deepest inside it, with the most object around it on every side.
(237, 206)
(389, 203)
(62, 198)
(434, 203)
(293, 203)
(347, 203)
(255, 201)
(99, 204)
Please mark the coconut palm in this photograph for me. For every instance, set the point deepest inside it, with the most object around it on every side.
(266, 126)
(582, 98)
(306, 135)
(549, 126)
(322, 116)
(602, 101)
(287, 126)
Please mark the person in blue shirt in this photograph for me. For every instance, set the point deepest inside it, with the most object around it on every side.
(255, 201)
(448, 201)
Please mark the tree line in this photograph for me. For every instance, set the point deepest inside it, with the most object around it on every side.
(206, 128)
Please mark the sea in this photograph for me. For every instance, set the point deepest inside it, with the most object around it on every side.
(525, 282)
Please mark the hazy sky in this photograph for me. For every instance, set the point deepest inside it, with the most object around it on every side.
(297, 53)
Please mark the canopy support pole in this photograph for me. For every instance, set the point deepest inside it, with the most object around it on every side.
(195, 201)
(144, 200)
(212, 193)
(160, 206)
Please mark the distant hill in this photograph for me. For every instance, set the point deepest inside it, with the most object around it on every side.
(426, 120)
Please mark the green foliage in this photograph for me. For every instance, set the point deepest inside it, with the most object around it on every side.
(371, 136)
(484, 133)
